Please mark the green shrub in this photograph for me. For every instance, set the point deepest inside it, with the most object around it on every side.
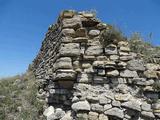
(20, 91)
(112, 35)
(144, 48)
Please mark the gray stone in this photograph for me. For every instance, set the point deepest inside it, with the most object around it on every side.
(157, 115)
(49, 111)
(81, 32)
(65, 74)
(74, 22)
(68, 32)
(147, 114)
(123, 88)
(122, 65)
(67, 116)
(104, 100)
(80, 40)
(151, 66)
(124, 49)
(126, 58)
(94, 50)
(107, 107)
(59, 113)
(70, 49)
(116, 112)
(75, 99)
(101, 72)
(93, 116)
(82, 116)
(137, 65)
(132, 105)
(103, 117)
(111, 50)
(92, 99)
(156, 105)
(151, 74)
(122, 44)
(139, 81)
(88, 15)
(114, 57)
(81, 105)
(98, 64)
(116, 103)
(97, 108)
(63, 62)
(98, 79)
(84, 78)
(123, 97)
(128, 74)
(109, 94)
(94, 33)
(112, 73)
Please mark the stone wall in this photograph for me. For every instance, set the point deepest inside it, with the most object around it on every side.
(81, 79)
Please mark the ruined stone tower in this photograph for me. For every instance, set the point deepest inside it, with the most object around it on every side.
(83, 78)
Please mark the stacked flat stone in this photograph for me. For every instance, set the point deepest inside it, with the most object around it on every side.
(80, 79)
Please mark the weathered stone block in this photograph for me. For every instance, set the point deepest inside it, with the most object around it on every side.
(128, 74)
(94, 50)
(68, 14)
(93, 116)
(132, 105)
(123, 97)
(111, 50)
(94, 33)
(80, 40)
(63, 62)
(97, 108)
(112, 73)
(70, 49)
(137, 65)
(150, 74)
(81, 105)
(116, 112)
(65, 74)
(84, 78)
(74, 22)
(68, 32)
(81, 32)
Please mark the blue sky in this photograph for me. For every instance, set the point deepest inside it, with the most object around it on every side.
(23, 24)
